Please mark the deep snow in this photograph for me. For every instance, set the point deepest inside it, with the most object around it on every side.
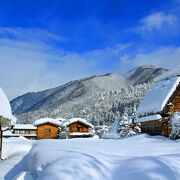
(137, 157)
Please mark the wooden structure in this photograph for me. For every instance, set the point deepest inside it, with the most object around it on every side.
(47, 128)
(22, 130)
(156, 121)
(78, 127)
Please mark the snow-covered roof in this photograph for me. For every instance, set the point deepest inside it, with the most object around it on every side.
(148, 118)
(157, 97)
(5, 108)
(70, 121)
(47, 120)
(24, 126)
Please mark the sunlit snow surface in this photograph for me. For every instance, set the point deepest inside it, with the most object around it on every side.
(138, 157)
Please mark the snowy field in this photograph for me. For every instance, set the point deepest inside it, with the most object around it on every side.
(138, 157)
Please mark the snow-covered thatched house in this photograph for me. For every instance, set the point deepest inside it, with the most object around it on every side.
(47, 128)
(158, 106)
(78, 127)
(6, 116)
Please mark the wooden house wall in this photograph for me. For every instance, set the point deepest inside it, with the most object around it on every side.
(47, 131)
(78, 127)
(176, 101)
(151, 127)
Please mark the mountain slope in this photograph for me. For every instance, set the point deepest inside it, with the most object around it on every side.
(96, 98)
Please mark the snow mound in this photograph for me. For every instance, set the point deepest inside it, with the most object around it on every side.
(14, 145)
(97, 159)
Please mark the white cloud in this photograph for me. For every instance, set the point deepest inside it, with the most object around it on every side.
(29, 34)
(167, 57)
(158, 21)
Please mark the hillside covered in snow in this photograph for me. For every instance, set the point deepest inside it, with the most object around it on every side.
(100, 99)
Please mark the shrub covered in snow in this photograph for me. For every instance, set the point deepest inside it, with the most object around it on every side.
(101, 130)
(175, 126)
(127, 128)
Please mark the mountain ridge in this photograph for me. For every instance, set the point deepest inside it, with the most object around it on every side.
(71, 98)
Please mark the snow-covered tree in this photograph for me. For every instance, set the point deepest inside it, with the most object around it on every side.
(175, 126)
(127, 128)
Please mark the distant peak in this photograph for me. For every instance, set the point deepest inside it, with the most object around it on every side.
(145, 66)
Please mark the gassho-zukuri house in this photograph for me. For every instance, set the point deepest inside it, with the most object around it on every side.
(6, 117)
(158, 106)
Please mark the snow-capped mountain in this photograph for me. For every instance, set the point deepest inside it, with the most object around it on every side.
(144, 74)
(97, 98)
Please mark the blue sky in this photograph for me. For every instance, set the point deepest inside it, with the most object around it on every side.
(46, 43)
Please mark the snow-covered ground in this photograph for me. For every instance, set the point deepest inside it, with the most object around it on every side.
(138, 157)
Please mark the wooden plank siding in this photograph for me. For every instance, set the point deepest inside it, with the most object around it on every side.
(151, 127)
(78, 127)
(47, 131)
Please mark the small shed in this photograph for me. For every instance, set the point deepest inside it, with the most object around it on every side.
(78, 127)
(6, 116)
(158, 106)
(47, 128)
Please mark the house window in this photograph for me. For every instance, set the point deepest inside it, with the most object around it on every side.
(47, 131)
